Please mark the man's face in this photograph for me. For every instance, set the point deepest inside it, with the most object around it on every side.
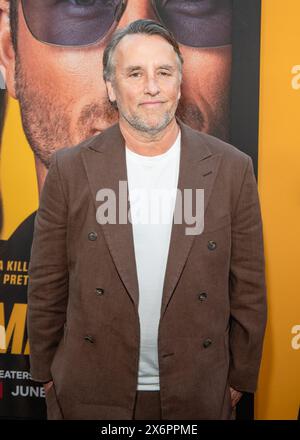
(146, 88)
(63, 97)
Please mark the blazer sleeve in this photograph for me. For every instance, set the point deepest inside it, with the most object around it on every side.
(247, 287)
(48, 276)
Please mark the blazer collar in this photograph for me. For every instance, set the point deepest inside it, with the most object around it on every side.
(112, 136)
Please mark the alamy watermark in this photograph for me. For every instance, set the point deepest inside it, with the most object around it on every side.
(155, 206)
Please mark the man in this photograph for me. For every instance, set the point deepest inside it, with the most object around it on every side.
(58, 80)
(144, 320)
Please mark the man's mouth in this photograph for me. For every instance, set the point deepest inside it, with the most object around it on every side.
(152, 103)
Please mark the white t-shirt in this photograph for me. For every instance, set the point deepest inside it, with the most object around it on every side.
(152, 185)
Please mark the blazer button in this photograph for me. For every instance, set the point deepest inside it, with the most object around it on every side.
(89, 338)
(202, 296)
(207, 343)
(99, 291)
(92, 236)
(211, 245)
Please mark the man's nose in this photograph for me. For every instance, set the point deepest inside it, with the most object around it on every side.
(135, 10)
(151, 86)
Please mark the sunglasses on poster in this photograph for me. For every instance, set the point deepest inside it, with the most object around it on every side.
(77, 23)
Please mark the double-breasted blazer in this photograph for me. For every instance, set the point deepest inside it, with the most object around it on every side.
(83, 294)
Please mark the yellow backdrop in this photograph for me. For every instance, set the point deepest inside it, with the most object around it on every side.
(278, 396)
(18, 179)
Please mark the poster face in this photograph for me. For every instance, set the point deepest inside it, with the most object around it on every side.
(63, 100)
(53, 68)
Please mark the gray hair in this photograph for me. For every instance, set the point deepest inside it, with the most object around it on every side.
(142, 26)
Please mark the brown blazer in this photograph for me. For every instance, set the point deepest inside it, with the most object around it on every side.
(83, 296)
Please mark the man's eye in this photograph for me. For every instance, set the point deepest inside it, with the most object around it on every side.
(135, 74)
(164, 73)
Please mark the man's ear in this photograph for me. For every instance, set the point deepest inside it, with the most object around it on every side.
(7, 53)
(110, 91)
(179, 93)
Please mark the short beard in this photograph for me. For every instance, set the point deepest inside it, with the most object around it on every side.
(217, 123)
(139, 125)
(47, 124)
(40, 119)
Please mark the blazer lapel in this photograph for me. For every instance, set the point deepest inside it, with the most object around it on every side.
(198, 169)
(105, 163)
